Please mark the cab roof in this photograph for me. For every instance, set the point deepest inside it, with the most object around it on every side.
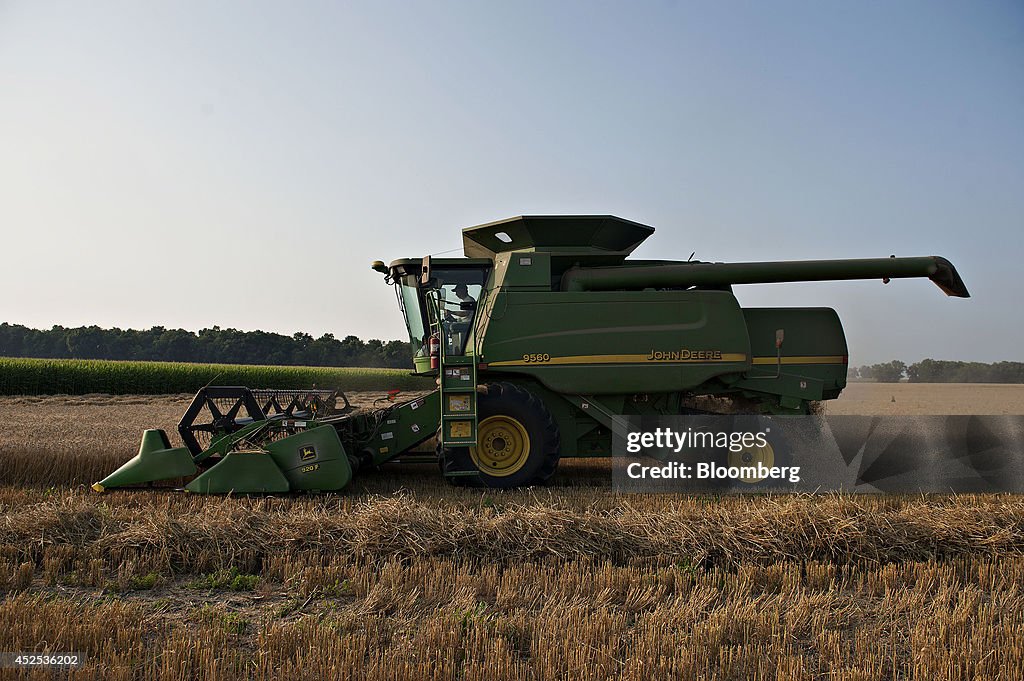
(594, 234)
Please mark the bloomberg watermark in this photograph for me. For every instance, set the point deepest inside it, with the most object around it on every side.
(753, 453)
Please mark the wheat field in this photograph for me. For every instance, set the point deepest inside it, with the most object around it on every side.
(405, 577)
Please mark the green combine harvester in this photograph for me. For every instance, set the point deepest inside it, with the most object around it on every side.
(538, 338)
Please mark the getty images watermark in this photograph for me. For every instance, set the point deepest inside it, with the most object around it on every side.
(756, 453)
(742, 460)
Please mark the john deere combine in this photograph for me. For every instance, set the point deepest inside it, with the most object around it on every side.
(537, 338)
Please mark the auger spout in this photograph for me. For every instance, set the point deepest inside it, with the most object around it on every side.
(704, 274)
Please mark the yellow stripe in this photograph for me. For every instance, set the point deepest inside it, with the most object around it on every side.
(620, 359)
(807, 359)
(644, 359)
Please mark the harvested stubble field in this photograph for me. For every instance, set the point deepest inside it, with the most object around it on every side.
(404, 577)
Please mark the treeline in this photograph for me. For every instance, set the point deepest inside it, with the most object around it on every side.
(216, 345)
(941, 371)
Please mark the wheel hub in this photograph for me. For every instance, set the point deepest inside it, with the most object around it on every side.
(751, 457)
(503, 446)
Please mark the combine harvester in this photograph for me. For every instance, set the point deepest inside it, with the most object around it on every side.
(537, 338)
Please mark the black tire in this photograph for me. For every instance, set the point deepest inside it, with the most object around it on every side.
(510, 403)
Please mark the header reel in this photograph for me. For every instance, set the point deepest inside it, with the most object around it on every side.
(221, 410)
(249, 441)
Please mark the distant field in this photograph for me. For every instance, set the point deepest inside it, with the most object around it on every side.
(80, 377)
(912, 399)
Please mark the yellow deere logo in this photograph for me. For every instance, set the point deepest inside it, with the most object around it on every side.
(307, 452)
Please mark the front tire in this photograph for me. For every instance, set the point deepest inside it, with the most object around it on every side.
(517, 441)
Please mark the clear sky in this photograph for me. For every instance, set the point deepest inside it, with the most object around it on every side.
(190, 164)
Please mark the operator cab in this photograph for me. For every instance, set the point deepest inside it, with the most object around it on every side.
(439, 297)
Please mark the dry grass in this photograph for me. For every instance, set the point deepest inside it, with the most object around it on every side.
(514, 586)
(184, 534)
(438, 619)
(404, 577)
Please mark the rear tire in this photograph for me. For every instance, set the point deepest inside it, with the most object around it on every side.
(774, 454)
(517, 441)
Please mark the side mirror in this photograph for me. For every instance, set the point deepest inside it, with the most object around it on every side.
(425, 271)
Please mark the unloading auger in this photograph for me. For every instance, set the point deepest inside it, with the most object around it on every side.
(537, 340)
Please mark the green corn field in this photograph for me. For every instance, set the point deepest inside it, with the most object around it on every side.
(80, 377)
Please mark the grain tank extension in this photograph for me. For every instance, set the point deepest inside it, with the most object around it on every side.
(538, 338)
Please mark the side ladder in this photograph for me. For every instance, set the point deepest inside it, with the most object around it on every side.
(457, 387)
(458, 400)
